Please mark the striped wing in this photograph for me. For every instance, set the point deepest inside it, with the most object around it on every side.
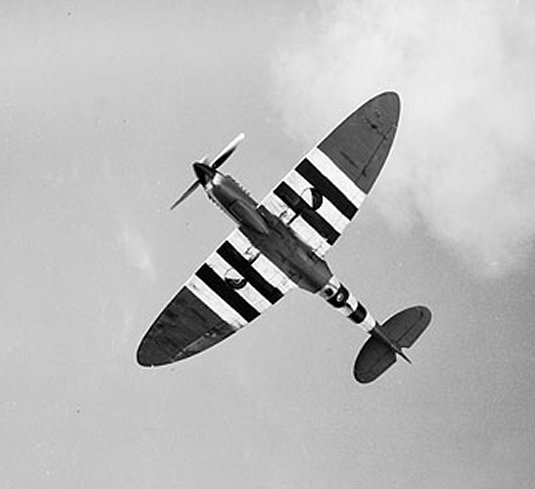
(232, 288)
(321, 195)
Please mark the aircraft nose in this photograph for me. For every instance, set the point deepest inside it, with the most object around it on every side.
(203, 172)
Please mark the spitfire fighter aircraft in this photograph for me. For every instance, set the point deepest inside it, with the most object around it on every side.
(280, 244)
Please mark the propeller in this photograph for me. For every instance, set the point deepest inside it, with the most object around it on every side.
(227, 151)
(186, 194)
(217, 162)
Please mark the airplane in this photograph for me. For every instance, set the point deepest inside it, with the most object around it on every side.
(280, 245)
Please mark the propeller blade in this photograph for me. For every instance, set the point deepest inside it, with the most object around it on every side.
(186, 194)
(219, 160)
(229, 149)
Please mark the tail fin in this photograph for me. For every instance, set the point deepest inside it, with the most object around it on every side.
(379, 352)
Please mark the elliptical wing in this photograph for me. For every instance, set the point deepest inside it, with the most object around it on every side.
(232, 288)
(321, 195)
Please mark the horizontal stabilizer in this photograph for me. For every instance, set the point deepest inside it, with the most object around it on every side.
(379, 352)
(374, 358)
(406, 326)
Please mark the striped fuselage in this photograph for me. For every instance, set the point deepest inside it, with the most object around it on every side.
(278, 242)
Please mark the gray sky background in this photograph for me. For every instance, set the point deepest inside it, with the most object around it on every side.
(104, 106)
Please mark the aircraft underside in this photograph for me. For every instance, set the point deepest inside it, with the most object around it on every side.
(280, 244)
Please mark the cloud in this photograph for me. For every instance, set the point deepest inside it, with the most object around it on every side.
(136, 252)
(463, 160)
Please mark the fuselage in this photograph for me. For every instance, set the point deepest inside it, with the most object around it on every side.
(236, 202)
(280, 244)
(268, 233)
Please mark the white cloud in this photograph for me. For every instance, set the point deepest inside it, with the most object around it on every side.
(463, 159)
(137, 252)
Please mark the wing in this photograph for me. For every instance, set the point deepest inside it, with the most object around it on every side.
(321, 195)
(232, 288)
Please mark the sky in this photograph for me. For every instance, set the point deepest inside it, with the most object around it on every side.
(104, 107)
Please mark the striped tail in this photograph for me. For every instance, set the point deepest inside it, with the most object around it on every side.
(338, 296)
(387, 339)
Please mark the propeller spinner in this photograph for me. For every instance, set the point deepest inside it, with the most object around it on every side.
(202, 170)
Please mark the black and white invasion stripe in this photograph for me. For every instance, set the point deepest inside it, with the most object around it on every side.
(265, 283)
(341, 199)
